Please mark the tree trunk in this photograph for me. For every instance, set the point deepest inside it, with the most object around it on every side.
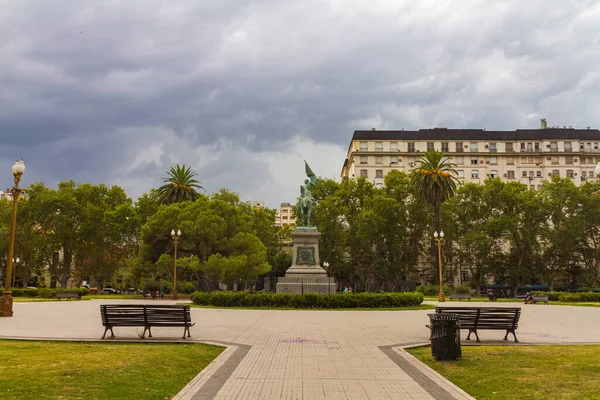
(66, 270)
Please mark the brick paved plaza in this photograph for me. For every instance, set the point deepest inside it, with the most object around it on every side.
(306, 354)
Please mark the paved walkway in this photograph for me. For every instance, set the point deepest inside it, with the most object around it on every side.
(306, 354)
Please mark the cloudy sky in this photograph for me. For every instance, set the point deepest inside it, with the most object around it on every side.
(116, 92)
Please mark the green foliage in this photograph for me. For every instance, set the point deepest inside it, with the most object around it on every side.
(433, 290)
(462, 290)
(309, 300)
(179, 186)
(579, 297)
(187, 287)
(46, 293)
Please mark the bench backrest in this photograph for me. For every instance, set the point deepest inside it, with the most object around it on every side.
(67, 294)
(485, 317)
(540, 298)
(142, 314)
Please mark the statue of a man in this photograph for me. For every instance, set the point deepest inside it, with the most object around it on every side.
(306, 206)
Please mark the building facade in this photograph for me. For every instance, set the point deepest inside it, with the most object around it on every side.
(286, 215)
(525, 155)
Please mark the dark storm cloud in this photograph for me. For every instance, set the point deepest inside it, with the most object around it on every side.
(116, 91)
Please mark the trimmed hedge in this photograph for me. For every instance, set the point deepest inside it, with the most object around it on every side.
(579, 297)
(308, 300)
(46, 293)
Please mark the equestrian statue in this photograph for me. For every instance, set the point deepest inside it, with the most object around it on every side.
(306, 205)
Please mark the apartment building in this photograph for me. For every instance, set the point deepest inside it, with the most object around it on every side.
(286, 215)
(525, 155)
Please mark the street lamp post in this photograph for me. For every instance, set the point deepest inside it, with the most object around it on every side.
(440, 240)
(176, 236)
(15, 263)
(6, 304)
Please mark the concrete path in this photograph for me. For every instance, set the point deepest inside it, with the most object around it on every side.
(306, 354)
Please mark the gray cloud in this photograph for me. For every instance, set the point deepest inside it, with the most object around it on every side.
(116, 92)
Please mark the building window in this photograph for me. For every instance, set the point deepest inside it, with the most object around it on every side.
(363, 159)
(510, 161)
(583, 174)
(553, 146)
(473, 147)
(569, 160)
(494, 174)
(378, 159)
(430, 146)
(554, 160)
(460, 160)
(522, 147)
(461, 173)
(509, 148)
(493, 148)
(363, 146)
(536, 146)
(459, 147)
(531, 174)
(539, 187)
(570, 173)
(411, 161)
(529, 147)
(568, 146)
(394, 146)
(378, 146)
(285, 217)
(445, 147)
(493, 160)
(394, 160)
(364, 173)
(532, 187)
(474, 160)
(555, 172)
(538, 174)
(511, 174)
(378, 173)
(524, 174)
(411, 147)
(474, 173)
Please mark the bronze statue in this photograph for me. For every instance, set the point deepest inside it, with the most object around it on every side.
(306, 205)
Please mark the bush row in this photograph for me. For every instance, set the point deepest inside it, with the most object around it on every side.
(579, 297)
(308, 300)
(45, 293)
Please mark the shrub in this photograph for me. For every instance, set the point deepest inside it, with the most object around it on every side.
(46, 293)
(187, 287)
(463, 290)
(552, 296)
(433, 290)
(579, 297)
(307, 300)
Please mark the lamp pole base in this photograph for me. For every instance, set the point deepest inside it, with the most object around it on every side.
(6, 304)
(174, 294)
(441, 297)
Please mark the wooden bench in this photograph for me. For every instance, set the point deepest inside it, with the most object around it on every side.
(146, 316)
(537, 299)
(496, 318)
(68, 296)
(460, 296)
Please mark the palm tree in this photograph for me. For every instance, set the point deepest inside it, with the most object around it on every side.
(179, 186)
(434, 181)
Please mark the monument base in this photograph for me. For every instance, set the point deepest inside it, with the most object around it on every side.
(305, 275)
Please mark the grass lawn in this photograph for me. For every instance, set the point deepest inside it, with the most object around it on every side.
(77, 370)
(522, 372)
(419, 307)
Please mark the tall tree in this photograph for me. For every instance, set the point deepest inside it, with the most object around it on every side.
(179, 186)
(434, 181)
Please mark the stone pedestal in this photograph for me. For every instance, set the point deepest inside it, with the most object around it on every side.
(305, 275)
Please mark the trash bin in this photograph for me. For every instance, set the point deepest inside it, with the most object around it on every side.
(445, 336)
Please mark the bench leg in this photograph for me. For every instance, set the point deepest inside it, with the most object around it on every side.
(468, 336)
(513, 332)
(147, 328)
(476, 335)
(112, 334)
